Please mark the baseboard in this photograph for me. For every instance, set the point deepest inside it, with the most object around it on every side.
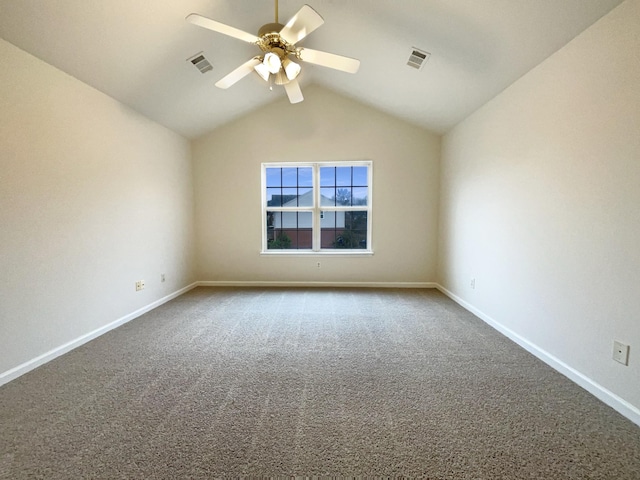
(15, 372)
(225, 283)
(614, 401)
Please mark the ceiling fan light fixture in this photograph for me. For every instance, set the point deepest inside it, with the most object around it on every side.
(277, 43)
(281, 78)
(263, 71)
(292, 69)
(272, 62)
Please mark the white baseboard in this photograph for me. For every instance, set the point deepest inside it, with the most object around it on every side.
(15, 372)
(614, 401)
(223, 283)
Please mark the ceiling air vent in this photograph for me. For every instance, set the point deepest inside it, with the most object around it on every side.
(202, 63)
(418, 58)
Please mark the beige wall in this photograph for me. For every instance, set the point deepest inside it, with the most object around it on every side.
(93, 197)
(540, 204)
(325, 127)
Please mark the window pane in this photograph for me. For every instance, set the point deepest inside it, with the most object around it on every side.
(343, 176)
(273, 219)
(289, 197)
(304, 233)
(360, 195)
(360, 177)
(305, 177)
(289, 230)
(327, 176)
(273, 177)
(356, 220)
(274, 197)
(305, 197)
(343, 196)
(328, 219)
(328, 197)
(344, 230)
(327, 238)
(290, 177)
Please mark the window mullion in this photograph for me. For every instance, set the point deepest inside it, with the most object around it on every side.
(263, 180)
(369, 207)
(315, 243)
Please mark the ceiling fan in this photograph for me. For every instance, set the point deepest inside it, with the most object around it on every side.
(278, 45)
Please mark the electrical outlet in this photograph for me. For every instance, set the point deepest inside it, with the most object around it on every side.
(318, 264)
(138, 286)
(162, 277)
(141, 284)
(621, 353)
(473, 283)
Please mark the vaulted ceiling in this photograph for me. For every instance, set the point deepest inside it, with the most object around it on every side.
(137, 51)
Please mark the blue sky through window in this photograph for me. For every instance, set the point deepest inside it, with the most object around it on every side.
(284, 183)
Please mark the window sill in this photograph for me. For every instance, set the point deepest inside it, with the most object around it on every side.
(308, 253)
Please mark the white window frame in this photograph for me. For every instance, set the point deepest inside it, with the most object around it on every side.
(317, 209)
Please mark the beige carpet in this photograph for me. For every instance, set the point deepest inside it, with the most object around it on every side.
(229, 382)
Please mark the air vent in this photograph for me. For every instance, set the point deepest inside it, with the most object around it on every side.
(200, 62)
(418, 58)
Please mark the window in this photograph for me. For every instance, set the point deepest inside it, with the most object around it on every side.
(316, 207)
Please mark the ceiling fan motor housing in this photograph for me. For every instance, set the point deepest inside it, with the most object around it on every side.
(271, 41)
(270, 28)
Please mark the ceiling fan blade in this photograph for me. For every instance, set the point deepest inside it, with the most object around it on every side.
(221, 28)
(293, 91)
(301, 24)
(238, 74)
(331, 60)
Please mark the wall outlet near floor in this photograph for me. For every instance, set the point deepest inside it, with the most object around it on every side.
(162, 279)
(621, 353)
(473, 283)
(318, 264)
(139, 285)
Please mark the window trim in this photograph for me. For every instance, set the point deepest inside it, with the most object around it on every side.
(317, 208)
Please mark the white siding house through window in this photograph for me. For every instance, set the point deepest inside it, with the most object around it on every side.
(293, 220)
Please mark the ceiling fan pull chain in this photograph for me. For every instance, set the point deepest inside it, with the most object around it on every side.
(276, 11)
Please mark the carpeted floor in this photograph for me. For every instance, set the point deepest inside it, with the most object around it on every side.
(284, 382)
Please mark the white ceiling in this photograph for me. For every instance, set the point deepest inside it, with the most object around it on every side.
(136, 51)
